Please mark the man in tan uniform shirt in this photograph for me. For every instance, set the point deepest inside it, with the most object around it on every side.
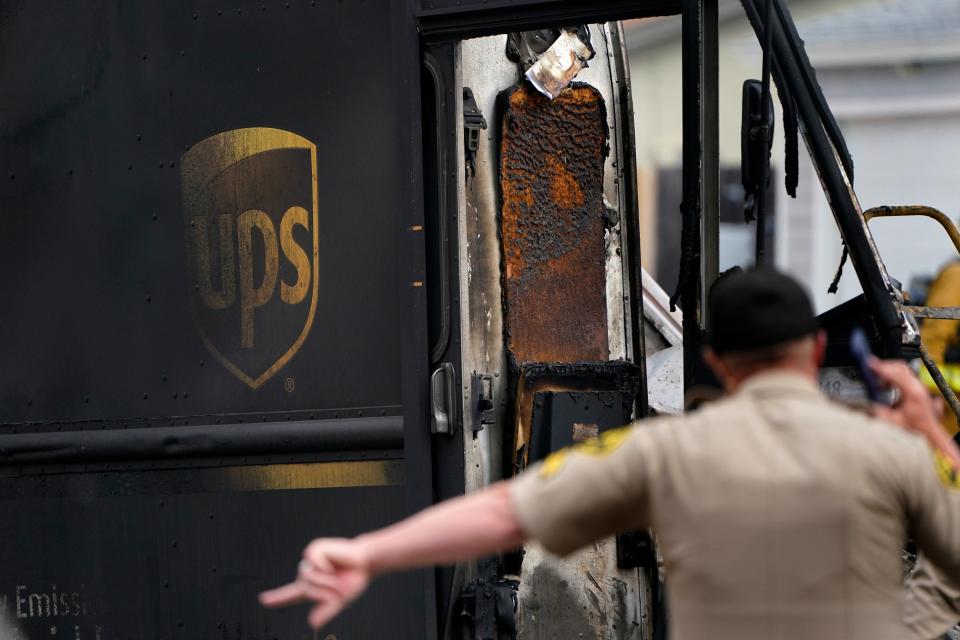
(779, 513)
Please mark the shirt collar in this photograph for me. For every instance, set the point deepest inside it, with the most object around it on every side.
(778, 382)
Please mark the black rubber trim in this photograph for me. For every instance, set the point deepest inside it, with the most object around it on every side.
(439, 87)
(349, 434)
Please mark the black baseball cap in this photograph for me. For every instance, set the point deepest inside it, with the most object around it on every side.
(757, 308)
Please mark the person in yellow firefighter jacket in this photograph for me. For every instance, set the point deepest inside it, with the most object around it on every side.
(942, 337)
(933, 601)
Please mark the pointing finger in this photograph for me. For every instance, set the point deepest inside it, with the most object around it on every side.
(286, 595)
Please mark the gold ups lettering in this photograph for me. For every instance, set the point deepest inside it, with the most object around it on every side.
(250, 208)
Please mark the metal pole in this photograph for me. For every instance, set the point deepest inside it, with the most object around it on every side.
(710, 136)
(631, 221)
(945, 390)
(765, 133)
(690, 286)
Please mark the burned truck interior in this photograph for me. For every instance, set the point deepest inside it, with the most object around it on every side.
(261, 288)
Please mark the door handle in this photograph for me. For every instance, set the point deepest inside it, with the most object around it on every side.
(443, 400)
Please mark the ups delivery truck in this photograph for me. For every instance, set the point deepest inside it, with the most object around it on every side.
(275, 270)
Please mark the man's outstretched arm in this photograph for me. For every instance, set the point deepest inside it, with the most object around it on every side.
(575, 496)
(336, 571)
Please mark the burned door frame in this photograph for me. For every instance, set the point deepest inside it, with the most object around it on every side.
(446, 21)
(441, 31)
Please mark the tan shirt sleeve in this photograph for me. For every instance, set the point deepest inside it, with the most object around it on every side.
(586, 492)
(933, 504)
(932, 604)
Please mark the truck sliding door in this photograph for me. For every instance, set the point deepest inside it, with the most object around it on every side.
(213, 332)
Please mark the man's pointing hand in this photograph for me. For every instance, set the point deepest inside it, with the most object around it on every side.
(333, 573)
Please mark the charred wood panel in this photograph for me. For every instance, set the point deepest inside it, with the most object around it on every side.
(551, 181)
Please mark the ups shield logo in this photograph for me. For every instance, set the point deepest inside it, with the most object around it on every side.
(250, 207)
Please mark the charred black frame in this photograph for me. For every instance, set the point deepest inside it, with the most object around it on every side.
(831, 159)
(699, 220)
(441, 26)
(795, 78)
